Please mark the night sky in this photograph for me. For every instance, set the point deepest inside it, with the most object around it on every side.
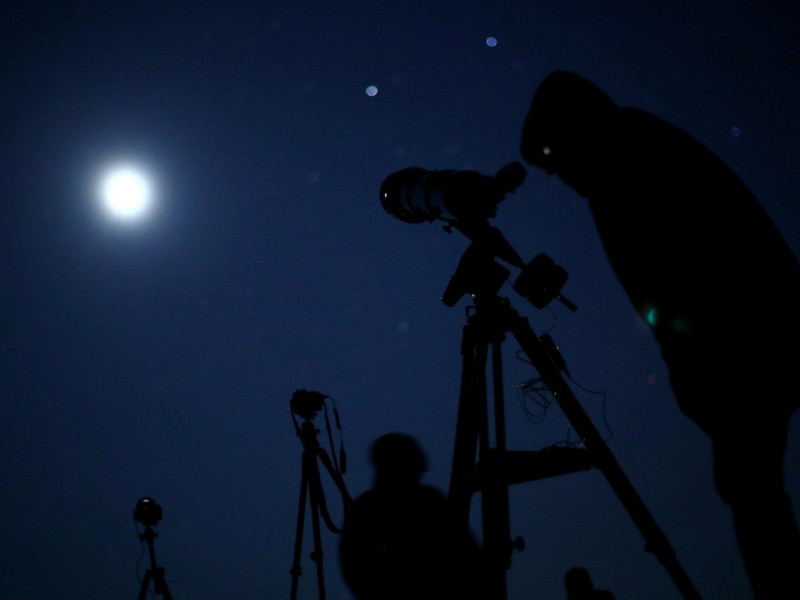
(157, 357)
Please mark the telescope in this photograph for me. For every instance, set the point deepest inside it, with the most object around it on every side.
(466, 200)
(415, 195)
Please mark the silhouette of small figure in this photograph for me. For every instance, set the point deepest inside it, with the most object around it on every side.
(399, 539)
(712, 276)
(580, 587)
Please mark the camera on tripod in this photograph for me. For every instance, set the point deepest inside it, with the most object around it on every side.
(149, 513)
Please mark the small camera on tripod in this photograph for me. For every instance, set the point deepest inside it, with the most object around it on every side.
(147, 512)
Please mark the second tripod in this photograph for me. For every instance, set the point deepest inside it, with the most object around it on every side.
(306, 405)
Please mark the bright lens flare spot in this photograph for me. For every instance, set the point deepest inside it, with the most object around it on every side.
(126, 193)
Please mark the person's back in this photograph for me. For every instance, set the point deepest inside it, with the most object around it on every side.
(711, 274)
(703, 265)
(400, 539)
(678, 226)
(579, 586)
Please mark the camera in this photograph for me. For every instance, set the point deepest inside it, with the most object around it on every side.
(307, 404)
(147, 512)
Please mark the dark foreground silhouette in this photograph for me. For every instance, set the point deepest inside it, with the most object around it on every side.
(710, 273)
(579, 586)
(399, 539)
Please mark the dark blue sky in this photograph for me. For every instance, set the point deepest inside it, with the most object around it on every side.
(158, 358)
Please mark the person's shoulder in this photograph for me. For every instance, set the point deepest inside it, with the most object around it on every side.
(430, 489)
(363, 502)
(646, 123)
(365, 496)
(431, 493)
(652, 136)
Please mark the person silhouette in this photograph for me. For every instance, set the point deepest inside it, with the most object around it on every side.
(711, 275)
(579, 586)
(399, 539)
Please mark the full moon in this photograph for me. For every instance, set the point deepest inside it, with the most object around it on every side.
(126, 193)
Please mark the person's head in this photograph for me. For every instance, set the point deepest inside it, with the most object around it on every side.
(397, 458)
(566, 123)
(578, 582)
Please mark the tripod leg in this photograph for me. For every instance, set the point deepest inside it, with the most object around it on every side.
(145, 584)
(154, 573)
(160, 588)
(495, 504)
(160, 582)
(655, 540)
(471, 439)
(311, 491)
(296, 569)
(467, 425)
(316, 500)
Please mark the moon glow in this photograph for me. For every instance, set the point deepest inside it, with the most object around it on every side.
(126, 193)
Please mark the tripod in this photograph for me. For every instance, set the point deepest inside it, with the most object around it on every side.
(496, 467)
(311, 491)
(154, 573)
